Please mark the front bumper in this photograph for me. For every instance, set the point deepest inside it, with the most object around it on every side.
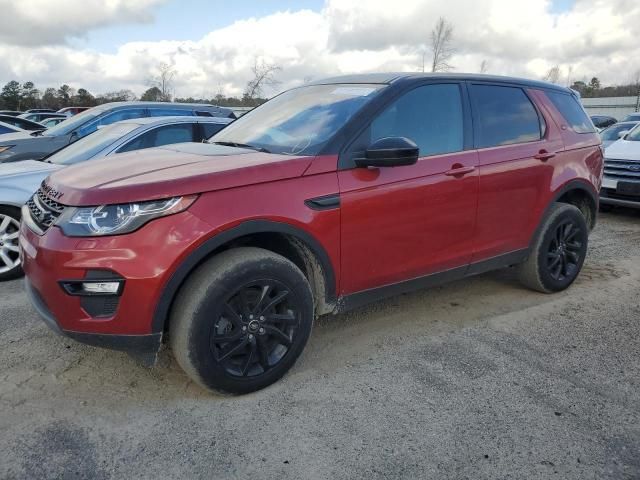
(144, 260)
(610, 194)
(143, 347)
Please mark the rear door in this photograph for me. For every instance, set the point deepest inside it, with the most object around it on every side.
(517, 146)
(406, 222)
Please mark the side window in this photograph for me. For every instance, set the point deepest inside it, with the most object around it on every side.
(110, 118)
(504, 116)
(166, 135)
(169, 112)
(431, 116)
(572, 111)
(201, 113)
(210, 129)
(4, 129)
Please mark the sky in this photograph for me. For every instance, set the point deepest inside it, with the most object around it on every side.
(107, 45)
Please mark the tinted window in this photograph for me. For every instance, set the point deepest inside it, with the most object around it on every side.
(110, 118)
(210, 129)
(166, 135)
(169, 112)
(4, 129)
(431, 116)
(572, 111)
(203, 114)
(504, 116)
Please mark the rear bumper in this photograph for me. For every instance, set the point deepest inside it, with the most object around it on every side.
(143, 347)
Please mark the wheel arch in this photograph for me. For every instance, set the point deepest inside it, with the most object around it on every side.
(282, 238)
(576, 192)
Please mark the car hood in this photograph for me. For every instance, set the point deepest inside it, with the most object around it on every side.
(169, 171)
(25, 168)
(623, 150)
(7, 138)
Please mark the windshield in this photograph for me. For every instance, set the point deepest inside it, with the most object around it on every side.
(634, 135)
(612, 132)
(300, 121)
(88, 146)
(67, 126)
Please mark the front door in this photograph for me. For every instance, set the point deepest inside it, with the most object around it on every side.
(405, 222)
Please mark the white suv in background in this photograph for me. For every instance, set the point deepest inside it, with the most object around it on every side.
(621, 182)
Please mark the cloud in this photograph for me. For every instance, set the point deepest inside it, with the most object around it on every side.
(515, 37)
(47, 22)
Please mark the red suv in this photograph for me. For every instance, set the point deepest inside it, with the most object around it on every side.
(329, 196)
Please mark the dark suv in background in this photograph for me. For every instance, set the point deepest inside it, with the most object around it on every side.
(36, 145)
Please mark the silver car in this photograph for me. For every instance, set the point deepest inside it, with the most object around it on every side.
(19, 180)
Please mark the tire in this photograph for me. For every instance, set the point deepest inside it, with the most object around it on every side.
(563, 237)
(10, 264)
(228, 329)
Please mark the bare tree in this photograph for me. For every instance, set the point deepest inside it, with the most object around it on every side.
(163, 80)
(484, 66)
(552, 75)
(263, 76)
(569, 75)
(441, 46)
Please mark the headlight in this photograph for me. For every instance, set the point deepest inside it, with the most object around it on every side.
(4, 148)
(118, 219)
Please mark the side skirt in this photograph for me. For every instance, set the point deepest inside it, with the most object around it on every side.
(359, 299)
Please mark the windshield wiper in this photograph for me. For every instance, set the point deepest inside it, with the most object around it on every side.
(241, 145)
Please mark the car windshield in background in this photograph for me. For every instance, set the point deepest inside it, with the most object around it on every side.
(612, 132)
(300, 121)
(634, 135)
(88, 146)
(67, 126)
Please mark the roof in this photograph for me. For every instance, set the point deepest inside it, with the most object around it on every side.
(391, 77)
(137, 103)
(174, 119)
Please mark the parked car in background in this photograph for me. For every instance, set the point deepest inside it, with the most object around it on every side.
(21, 123)
(52, 122)
(621, 182)
(612, 134)
(602, 121)
(11, 113)
(40, 110)
(40, 116)
(7, 128)
(18, 180)
(633, 117)
(34, 146)
(326, 197)
(71, 111)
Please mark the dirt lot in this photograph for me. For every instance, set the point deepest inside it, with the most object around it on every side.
(477, 379)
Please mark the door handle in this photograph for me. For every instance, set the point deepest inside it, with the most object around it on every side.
(459, 170)
(544, 155)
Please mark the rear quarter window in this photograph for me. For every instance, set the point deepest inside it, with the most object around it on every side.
(572, 111)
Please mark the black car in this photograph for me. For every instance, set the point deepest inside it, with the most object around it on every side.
(22, 123)
(36, 145)
(603, 121)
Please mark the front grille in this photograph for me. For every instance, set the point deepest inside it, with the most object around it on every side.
(622, 169)
(43, 211)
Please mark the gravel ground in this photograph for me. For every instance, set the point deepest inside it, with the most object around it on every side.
(477, 379)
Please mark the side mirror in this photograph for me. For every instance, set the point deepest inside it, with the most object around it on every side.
(73, 137)
(623, 133)
(390, 152)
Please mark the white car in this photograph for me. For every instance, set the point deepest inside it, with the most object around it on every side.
(621, 182)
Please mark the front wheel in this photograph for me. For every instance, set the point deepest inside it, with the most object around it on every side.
(241, 320)
(558, 250)
(10, 264)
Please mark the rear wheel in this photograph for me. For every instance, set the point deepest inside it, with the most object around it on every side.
(241, 320)
(10, 264)
(558, 251)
